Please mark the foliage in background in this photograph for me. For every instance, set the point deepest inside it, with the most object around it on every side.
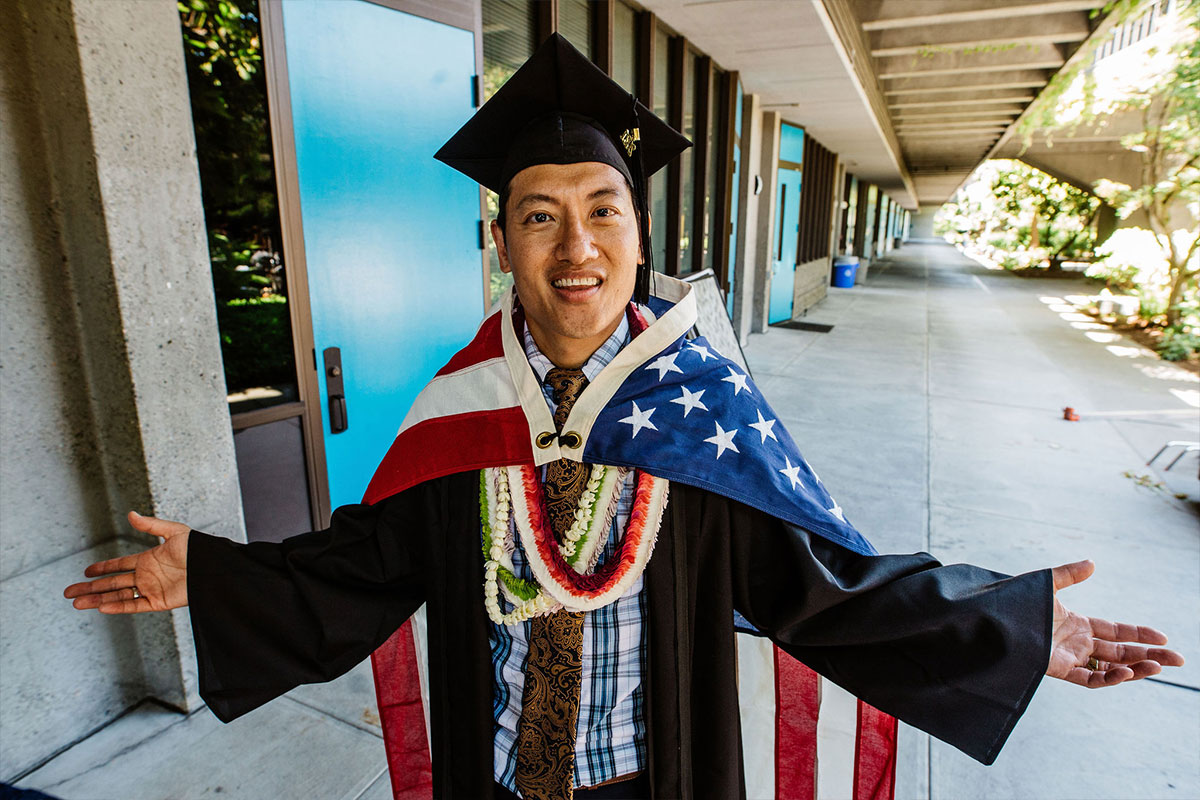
(1165, 99)
(1020, 216)
(227, 85)
(257, 330)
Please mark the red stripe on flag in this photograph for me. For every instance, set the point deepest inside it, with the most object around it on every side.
(797, 703)
(445, 445)
(874, 755)
(486, 344)
(402, 715)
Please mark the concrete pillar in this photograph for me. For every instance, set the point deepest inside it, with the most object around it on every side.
(111, 358)
(745, 271)
(922, 223)
(763, 254)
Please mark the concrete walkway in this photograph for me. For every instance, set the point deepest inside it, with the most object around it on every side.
(933, 412)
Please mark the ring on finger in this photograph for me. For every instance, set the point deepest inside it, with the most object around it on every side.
(136, 593)
(1093, 663)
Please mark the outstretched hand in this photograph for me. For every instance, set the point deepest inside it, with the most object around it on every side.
(1094, 652)
(152, 580)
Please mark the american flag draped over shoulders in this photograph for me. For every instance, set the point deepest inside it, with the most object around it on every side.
(676, 408)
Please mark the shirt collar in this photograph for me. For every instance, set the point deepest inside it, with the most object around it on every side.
(598, 361)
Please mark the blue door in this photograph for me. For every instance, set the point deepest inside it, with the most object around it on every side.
(787, 233)
(787, 223)
(390, 235)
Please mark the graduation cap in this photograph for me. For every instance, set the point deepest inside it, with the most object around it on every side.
(560, 108)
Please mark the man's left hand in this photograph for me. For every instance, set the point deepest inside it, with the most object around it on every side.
(1095, 652)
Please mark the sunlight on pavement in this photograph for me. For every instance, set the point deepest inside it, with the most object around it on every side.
(1166, 372)
(1124, 351)
(1189, 396)
(1049, 299)
(1103, 338)
(1075, 316)
(1089, 326)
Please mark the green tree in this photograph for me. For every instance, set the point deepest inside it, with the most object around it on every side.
(1026, 215)
(227, 84)
(1167, 142)
(1059, 217)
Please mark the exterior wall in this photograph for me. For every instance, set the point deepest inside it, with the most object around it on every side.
(769, 169)
(745, 272)
(922, 223)
(113, 396)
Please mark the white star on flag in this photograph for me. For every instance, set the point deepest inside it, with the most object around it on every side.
(738, 380)
(665, 364)
(792, 472)
(639, 419)
(813, 471)
(763, 426)
(723, 440)
(689, 400)
(701, 350)
(837, 511)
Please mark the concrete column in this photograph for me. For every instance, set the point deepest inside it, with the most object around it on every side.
(745, 272)
(111, 353)
(763, 254)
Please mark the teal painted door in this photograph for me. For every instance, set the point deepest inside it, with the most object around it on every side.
(787, 233)
(390, 234)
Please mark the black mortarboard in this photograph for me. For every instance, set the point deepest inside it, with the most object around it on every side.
(560, 108)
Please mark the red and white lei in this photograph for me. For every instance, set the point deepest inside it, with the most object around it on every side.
(565, 574)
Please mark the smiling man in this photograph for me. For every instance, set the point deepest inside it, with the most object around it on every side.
(576, 238)
(583, 498)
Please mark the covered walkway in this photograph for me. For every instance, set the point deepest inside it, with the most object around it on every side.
(933, 412)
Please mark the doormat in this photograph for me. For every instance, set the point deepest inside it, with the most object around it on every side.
(815, 327)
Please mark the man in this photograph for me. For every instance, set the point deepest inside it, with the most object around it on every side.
(597, 660)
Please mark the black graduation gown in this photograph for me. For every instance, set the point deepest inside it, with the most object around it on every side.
(957, 651)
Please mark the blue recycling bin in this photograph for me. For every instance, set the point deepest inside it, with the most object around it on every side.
(844, 270)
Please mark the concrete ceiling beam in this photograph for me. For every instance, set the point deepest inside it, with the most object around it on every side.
(971, 47)
(933, 116)
(959, 135)
(907, 127)
(1042, 56)
(955, 98)
(899, 14)
(995, 34)
(983, 81)
(986, 101)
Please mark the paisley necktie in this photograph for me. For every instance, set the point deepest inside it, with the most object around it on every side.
(550, 705)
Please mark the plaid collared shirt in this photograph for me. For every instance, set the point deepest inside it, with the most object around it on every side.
(611, 735)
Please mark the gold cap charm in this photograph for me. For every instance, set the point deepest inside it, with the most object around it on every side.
(630, 138)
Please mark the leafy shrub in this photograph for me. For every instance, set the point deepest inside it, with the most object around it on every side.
(1178, 344)
(256, 342)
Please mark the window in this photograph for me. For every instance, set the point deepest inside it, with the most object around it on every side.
(624, 39)
(687, 166)
(714, 201)
(575, 24)
(659, 183)
(509, 37)
(241, 210)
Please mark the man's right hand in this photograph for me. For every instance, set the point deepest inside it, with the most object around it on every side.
(153, 580)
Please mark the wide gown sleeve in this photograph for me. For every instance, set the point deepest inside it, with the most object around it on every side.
(268, 617)
(956, 651)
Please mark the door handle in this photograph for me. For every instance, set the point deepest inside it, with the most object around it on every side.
(335, 390)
